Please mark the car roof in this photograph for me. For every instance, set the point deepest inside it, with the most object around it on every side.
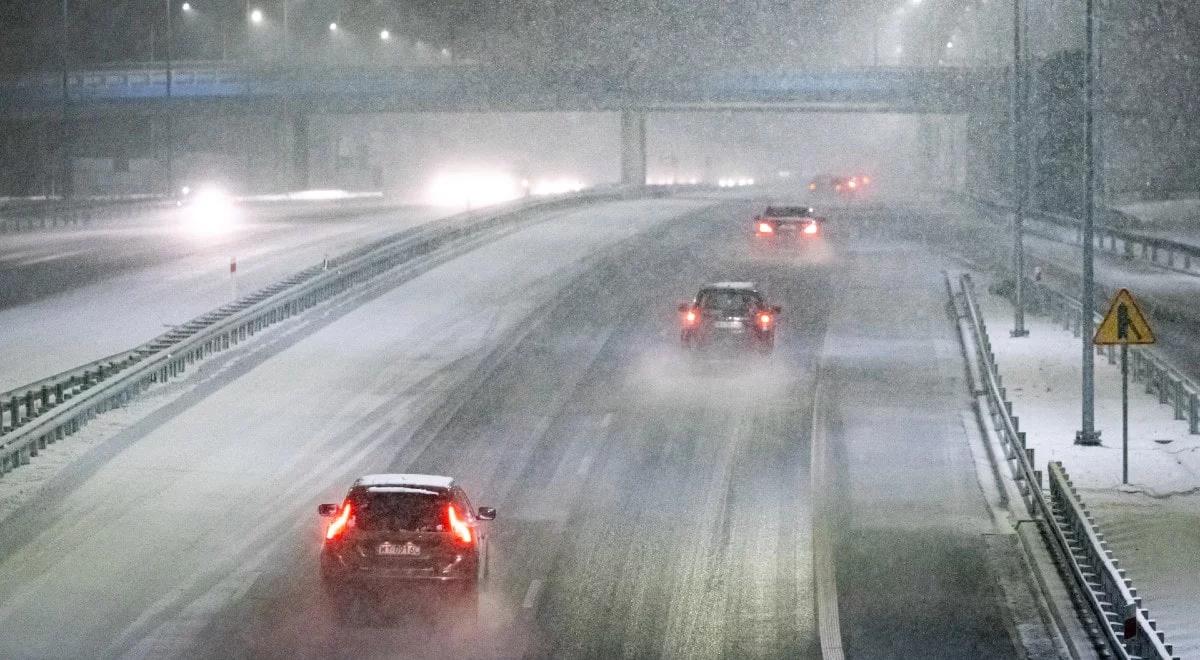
(417, 480)
(742, 286)
(789, 209)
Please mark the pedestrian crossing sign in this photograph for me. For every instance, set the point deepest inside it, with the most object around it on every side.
(1124, 323)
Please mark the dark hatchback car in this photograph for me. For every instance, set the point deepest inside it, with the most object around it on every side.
(397, 533)
(726, 317)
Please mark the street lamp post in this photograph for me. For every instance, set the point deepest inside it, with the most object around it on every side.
(1088, 435)
(67, 184)
(1019, 175)
(167, 124)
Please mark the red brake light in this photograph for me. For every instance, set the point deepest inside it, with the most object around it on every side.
(460, 528)
(812, 186)
(339, 524)
(810, 228)
(690, 316)
(866, 180)
(852, 183)
(764, 320)
(765, 228)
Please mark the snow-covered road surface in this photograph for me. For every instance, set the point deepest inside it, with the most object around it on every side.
(67, 298)
(646, 508)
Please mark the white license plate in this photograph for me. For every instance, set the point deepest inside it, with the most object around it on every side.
(728, 325)
(399, 549)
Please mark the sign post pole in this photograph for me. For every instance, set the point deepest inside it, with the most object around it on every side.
(1124, 324)
(1125, 414)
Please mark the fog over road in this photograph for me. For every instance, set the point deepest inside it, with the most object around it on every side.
(646, 507)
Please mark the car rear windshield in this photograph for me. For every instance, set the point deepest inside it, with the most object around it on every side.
(404, 511)
(728, 300)
(788, 211)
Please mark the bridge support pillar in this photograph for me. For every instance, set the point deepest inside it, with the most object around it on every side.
(299, 155)
(633, 147)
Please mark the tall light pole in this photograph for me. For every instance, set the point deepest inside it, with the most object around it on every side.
(67, 185)
(1018, 174)
(167, 124)
(1088, 435)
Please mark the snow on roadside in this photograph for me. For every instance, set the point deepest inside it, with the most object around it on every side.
(1153, 524)
(104, 317)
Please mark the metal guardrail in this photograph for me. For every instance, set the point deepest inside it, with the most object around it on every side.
(1126, 628)
(1161, 252)
(43, 412)
(1147, 364)
(1126, 622)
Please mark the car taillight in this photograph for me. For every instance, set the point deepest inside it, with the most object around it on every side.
(810, 228)
(866, 180)
(338, 526)
(459, 526)
(764, 320)
(690, 317)
(852, 183)
(812, 186)
(765, 228)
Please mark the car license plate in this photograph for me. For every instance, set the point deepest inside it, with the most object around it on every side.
(728, 325)
(399, 550)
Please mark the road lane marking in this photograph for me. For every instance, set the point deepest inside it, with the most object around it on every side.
(531, 594)
(828, 621)
(584, 465)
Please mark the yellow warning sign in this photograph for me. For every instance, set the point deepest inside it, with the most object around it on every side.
(1124, 323)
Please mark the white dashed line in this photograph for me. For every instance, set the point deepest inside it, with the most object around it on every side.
(531, 594)
(584, 465)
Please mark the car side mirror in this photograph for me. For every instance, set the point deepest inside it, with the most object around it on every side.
(684, 307)
(776, 308)
(327, 509)
(486, 513)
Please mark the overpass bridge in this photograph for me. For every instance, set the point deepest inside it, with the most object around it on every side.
(467, 87)
(295, 93)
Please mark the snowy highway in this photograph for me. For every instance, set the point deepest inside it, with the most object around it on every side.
(645, 508)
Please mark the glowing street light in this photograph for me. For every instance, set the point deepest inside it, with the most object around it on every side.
(256, 16)
(333, 27)
(186, 7)
(384, 35)
(949, 44)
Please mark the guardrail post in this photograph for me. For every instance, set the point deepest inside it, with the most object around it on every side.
(1193, 413)
(29, 411)
(1170, 258)
(1178, 396)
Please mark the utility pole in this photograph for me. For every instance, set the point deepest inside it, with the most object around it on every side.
(1088, 435)
(1018, 174)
